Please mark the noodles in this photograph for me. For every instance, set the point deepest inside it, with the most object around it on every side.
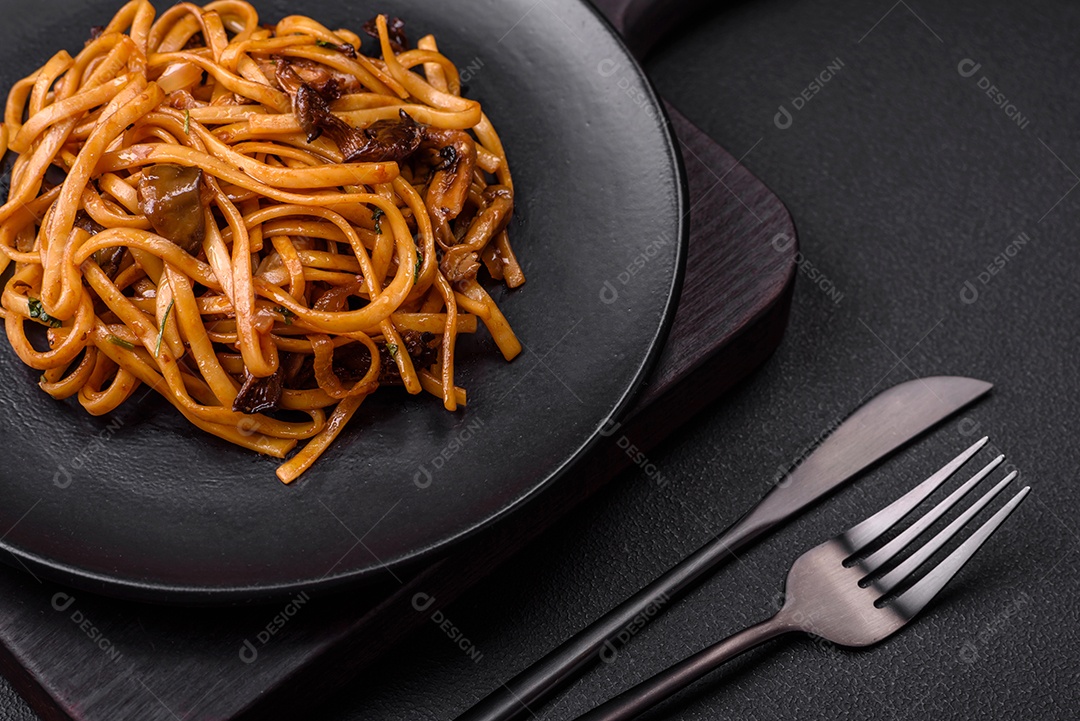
(258, 222)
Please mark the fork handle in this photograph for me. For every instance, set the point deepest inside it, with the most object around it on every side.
(598, 640)
(666, 684)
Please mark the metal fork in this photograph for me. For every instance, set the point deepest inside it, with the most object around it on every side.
(837, 591)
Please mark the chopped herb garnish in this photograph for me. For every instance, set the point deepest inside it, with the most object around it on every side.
(287, 314)
(121, 342)
(187, 122)
(392, 348)
(376, 216)
(37, 311)
(161, 330)
(419, 265)
(344, 48)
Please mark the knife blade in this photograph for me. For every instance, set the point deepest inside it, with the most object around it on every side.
(880, 426)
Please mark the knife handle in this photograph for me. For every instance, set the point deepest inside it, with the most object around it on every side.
(598, 640)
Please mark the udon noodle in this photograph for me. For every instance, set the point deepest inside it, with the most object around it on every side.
(261, 223)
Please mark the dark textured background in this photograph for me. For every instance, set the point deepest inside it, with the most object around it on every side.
(905, 181)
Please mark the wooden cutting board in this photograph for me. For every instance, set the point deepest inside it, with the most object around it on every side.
(76, 656)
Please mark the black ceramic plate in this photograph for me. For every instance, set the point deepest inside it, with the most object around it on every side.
(142, 504)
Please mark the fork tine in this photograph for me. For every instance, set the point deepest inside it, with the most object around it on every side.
(913, 600)
(887, 552)
(890, 580)
(859, 535)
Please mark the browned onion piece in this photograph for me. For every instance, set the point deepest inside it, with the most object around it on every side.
(171, 197)
(460, 263)
(333, 300)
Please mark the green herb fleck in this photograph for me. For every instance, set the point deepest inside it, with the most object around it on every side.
(187, 122)
(376, 216)
(37, 311)
(392, 348)
(287, 314)
(419, 265)
(161, 330)
(120, 342)
(325, 44)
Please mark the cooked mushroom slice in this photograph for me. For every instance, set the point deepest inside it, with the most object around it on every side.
(312, 111)
(461, 261)
(422, 349)
(389, 141)
(171, 197)
(311, 108)
(331, 84)
(395, 28)
(352, 361)
(259, 395)
(386, 141)
(449, 185)
(84, 221)
(108, 259)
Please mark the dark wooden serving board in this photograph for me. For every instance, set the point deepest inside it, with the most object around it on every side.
(77, 656)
